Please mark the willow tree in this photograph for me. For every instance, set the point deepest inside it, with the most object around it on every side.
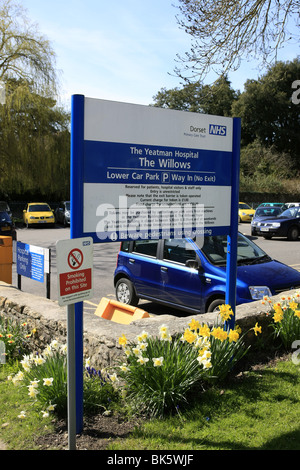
(34, 135)
(24, 52)
(224, 32)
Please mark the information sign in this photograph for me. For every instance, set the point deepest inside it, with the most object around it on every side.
(74, 270)
(152, 172)
(32, 261)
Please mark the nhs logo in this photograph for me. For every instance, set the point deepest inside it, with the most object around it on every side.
(215, 129)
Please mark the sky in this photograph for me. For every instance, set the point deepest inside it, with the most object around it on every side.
(120, 50)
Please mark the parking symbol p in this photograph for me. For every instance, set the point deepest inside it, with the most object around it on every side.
(165, 177)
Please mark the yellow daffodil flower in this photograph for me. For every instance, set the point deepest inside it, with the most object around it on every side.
(225, 311)
(122, 340)
(194, 324)
(256, 329)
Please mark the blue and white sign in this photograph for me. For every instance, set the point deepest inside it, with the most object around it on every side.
(32, 261)
(152, 172)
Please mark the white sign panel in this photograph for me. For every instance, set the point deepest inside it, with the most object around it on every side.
(74, 270)
(154, 173)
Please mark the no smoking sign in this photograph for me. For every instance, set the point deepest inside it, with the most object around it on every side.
(74, 270)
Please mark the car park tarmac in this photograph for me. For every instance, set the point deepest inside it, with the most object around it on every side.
(105, 256)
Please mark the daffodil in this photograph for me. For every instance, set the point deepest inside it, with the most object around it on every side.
(45, 414)
(157, 361)
(194, 324)
(233, 336)
(114, 377)
(122, 340)
(22, 415)
(189, 336)
(293, 305)
(51, 407)
(219, 333)
(48, 381)
(142, 360)
(297, 313)
(136, 351)
(256, 329)
(32, 391)
(124, 367)
(204, 331)
(225, 311)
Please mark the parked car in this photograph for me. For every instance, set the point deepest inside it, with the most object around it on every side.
(62, 213)
(274, 204)
(7, 227)
(286, 224)
(190, 275)
(292, 204)
(4, 207)
(261, 214)
(38, 213)
(245, 212)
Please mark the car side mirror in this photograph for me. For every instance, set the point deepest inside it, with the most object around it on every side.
(193, 264)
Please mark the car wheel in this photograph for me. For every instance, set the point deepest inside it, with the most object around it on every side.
(125, 292)
(293, 234)
(213, 306)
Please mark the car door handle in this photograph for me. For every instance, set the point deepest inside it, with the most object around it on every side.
(164, 268)
(131, 260)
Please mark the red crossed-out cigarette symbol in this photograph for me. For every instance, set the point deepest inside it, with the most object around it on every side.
(75, 258)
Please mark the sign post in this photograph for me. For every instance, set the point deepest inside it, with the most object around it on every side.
(74, 274)
(146, 172)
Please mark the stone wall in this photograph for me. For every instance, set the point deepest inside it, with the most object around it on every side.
(100, 335)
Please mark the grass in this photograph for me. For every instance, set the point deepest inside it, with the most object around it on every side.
(18, 434)
(258, 410)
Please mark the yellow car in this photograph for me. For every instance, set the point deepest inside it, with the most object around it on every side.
(246, 212)
(38, 213)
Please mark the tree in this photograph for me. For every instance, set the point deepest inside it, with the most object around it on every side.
(24, 52)
(34, 132)
(214, 99)
(34, 143)
(267, 112)
(224, 32)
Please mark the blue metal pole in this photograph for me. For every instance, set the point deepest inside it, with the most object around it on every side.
(231, 268)
(76, 231)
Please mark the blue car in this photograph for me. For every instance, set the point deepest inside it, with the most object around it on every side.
(191, 274)
(286, 224)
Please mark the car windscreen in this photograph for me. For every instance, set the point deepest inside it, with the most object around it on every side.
(291, 213)
(268, 212)
(39, 208)
(215, 249)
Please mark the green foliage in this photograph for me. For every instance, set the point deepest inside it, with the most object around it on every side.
(161, 373)
(98, 392)
(14, 338)
(258, 410)
(194, 97)
(286, 320)
(45, 377)
(34, 143)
